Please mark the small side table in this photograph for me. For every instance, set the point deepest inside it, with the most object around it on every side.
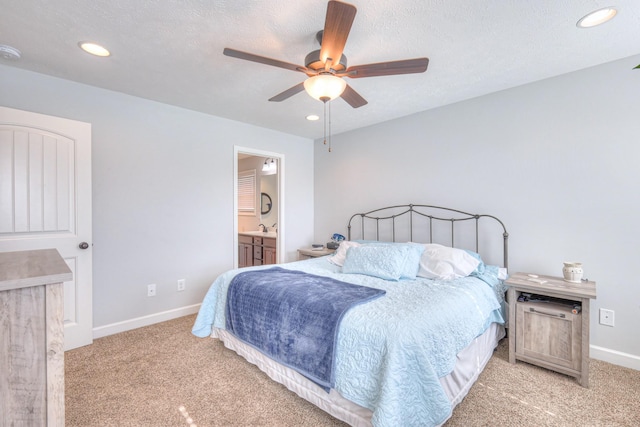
(306, 253)
(553, 333)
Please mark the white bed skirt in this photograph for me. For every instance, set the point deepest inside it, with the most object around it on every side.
(471, 361)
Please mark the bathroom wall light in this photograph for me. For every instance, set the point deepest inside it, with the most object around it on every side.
(270, 166)
(597, 17)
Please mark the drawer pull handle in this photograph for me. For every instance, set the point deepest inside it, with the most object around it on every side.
(533, 310)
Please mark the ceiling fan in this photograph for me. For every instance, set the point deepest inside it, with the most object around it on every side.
(326, 67)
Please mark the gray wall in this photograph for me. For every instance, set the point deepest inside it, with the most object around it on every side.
(162, 191)
(556, 160)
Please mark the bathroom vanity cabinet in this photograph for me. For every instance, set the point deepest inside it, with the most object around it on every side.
(256, 250)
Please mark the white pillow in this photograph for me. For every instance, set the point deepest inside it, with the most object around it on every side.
(341, 253)
(443, 262)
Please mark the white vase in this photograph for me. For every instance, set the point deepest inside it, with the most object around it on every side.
(572, 272)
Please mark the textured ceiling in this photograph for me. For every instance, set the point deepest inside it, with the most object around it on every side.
(171, 50)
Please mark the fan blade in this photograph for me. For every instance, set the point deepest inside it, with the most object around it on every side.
(288, 93)
(353, 98)
(407, 66)
(263, 60)
(337, 25)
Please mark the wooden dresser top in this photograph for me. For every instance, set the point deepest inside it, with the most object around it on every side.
(32, 268)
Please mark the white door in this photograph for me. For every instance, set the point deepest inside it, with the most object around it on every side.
(45, 202)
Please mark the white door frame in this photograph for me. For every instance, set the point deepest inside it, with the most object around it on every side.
(280, 247)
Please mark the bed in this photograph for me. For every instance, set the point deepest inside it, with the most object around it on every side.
(431, 312)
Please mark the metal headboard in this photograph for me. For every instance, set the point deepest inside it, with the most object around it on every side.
(425, 218)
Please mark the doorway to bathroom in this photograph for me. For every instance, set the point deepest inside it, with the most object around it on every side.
(258, 206)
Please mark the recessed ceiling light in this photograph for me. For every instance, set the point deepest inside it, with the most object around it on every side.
(313, 117)
(597, 17)
(94, 49)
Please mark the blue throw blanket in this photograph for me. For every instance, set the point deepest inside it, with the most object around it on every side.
(293, 316)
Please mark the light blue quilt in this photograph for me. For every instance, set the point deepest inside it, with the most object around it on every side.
(392, 351)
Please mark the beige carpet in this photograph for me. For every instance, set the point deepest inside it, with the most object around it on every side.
(142, 378)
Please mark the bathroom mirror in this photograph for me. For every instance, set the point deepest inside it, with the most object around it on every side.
(265, 203)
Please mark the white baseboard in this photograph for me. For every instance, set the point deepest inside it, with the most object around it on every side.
(595, 352)
(127, 325)
(616, 357)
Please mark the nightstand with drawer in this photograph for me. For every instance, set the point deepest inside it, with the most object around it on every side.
(549, 323)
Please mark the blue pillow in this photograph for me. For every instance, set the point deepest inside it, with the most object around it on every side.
(481, 267)
(388, 262)
(412, 261)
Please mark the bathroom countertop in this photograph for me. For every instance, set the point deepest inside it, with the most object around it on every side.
(270, 234)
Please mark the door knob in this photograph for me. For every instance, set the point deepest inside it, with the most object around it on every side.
(83, 245)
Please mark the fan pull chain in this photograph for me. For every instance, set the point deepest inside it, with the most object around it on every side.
(324, 100)
(329, 127)
(325, 121)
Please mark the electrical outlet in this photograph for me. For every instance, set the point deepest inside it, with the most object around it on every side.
(151, 290)
(607, 317)
(181, 285)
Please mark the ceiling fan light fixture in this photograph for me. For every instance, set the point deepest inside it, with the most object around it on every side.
(324, 86)
(597, 17)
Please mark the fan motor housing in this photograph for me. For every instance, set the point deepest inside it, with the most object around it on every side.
(312, 60)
